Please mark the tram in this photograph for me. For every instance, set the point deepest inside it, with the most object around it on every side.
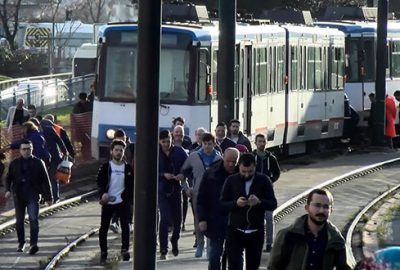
(289, 81)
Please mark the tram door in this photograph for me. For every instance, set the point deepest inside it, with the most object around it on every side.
(243, 100)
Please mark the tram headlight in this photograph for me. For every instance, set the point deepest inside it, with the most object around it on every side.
(110, 133)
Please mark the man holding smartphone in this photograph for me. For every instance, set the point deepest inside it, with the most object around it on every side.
(246, 196)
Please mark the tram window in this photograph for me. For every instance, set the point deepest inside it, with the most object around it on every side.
(214, 69)
(310, 68)
(303, 70)
(237, 74)
(263, 71)
(395, 63)
(201, 91)
(267, 70)
(293, 68)
(341, 67)
(369, 59)
(273, 69)
(280, 68)
(354, 56)
(256, 74)
(318, 69)
(335, 68)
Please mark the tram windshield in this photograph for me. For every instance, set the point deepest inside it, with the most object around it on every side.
(121, 67)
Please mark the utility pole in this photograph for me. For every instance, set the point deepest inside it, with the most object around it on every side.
(147, 104)
(380, 84)
(226, 60)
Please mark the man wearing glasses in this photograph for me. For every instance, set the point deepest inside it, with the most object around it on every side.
(312, 241)
(28, 179)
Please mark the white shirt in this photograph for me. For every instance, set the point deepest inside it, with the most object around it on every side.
(117, 182)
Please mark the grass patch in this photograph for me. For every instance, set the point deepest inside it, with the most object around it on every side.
(387, 218)
(61, 114)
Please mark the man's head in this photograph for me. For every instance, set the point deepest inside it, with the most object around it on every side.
(20, 103)
(234, 127)
(231, 156)
(178, 121)
(247, 166)
(178, 134)
(396, 95)
(198, 133)
(208, 143)
(319, 206)
(120, 135)
(117, 149)
(82, 97)
(165, 139)
(49, 117)
(260, 142)
(26, 148)
(31, 110)
(220, 130)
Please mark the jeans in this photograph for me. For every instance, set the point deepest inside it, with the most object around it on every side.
(30, 202)
(55, 186)
(170, 214)
(215, 250)
(269, 227)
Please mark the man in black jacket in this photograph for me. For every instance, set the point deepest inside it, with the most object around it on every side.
(115, 185)
(236, 135)
(246, 196)
(28, 179)
(210, 219)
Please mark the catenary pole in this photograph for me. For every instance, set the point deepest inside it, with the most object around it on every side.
(147, 107)
(380, 85)
(226, 60)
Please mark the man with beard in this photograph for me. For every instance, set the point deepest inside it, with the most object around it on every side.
(245, 197)
(115, 185)
(236, 135)
(312, 242)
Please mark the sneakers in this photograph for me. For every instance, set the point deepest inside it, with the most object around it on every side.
(163, 256)
(175, 250)
(33, 250)
(21, 247)
(125, 255)
(114, 227)
(103, 258)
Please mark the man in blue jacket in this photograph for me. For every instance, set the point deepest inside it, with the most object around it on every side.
(245, 197)
(211, 222)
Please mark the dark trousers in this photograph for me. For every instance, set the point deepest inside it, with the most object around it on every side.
(30, 202)
(170, 214)
(55, 186)
(115, 217)
(107, 211)
(185, 204)
(215, 252)
(252, 243)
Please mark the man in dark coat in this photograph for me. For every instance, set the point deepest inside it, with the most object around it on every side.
(28, 180)
(236, 135)
(210, 219)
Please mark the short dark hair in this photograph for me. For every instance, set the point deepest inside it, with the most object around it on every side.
(180, 119)
(396, 93)
(164, 134)
(31, 107)
(234, 121)
(26, 141)
(247, 159)
(320, 192)
(372, 94)
(259, 135)
(119, 133)
(221, 124)
(117, 142)
(82, 95)
(208, 137)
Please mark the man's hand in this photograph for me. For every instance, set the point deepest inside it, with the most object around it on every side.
(253, 200)
(241, 202)
(203, 226)
(7, 195)
(169, 176)
(104, 199)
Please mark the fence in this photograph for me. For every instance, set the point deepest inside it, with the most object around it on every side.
(44, 92)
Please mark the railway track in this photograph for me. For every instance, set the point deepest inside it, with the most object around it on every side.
(343, 187)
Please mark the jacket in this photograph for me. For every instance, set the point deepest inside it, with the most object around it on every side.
(208, 204)
(243, 217)
(103, 180)
(290, 248)
(268, 165)
(62, 133)
(242, 140)
(39, 145)
(11, 114)
(54, 142)
(226, 143)
(40, 178)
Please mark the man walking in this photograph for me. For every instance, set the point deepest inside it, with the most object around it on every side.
(115, 185)
(267, 164)
(236, 135)
(246, 196)
(312, 241)
(211, 222)
(28, 180)
(220, 134)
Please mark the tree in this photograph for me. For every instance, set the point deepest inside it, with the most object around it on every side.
(9, 14)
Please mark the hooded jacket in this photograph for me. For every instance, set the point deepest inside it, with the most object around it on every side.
(290, 248)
